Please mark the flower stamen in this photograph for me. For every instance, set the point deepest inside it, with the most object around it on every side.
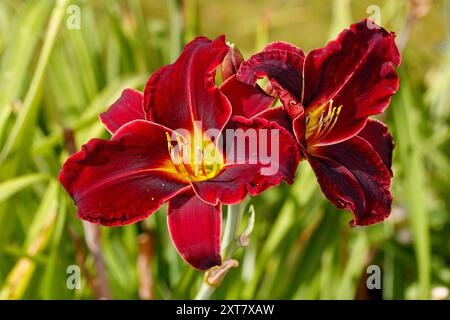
(321, 121)
(191, 161)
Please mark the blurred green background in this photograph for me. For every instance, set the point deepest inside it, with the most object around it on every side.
(56, 79)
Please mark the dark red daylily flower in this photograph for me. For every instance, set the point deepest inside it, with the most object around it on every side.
(125, 179)
(328, 95)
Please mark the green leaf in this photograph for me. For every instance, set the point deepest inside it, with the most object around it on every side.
(27, 116)
(11, 187)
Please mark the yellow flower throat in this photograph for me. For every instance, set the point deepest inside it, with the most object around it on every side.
(321, 121)
(198, 161)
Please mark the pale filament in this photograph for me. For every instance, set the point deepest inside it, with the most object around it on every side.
(320, 122)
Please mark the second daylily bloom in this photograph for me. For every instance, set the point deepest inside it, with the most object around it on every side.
(165, 148)
(328, 95)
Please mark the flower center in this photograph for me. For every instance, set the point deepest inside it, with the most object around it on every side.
(198, 161)
(321, 121)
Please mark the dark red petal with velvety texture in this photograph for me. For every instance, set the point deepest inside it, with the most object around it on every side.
(353, 176)
(277, 114)
(270, 155)
(125, 179)
(181, 93)
(286, 46)
(338, 184)
(231, 63)
(355, 71)
(195, 229)
(282, 64)
(127, 108)
(299, 129)
(377, 135)
(246, 100)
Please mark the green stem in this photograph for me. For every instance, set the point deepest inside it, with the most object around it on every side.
(229, 237)
(205, 292)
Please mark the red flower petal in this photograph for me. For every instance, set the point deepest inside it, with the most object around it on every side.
(124, 180)
(249, 172)
(338, 184)
(195, 229)
(353, 176)
(299, 128)
(277, 114)
(246, 100)
(377, 135)
(181, 93)
(282, 64)
(286, 46)
(231, 62)
(126, 109)
(355, 71)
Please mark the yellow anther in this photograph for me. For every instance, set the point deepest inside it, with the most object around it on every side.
(321, 121)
